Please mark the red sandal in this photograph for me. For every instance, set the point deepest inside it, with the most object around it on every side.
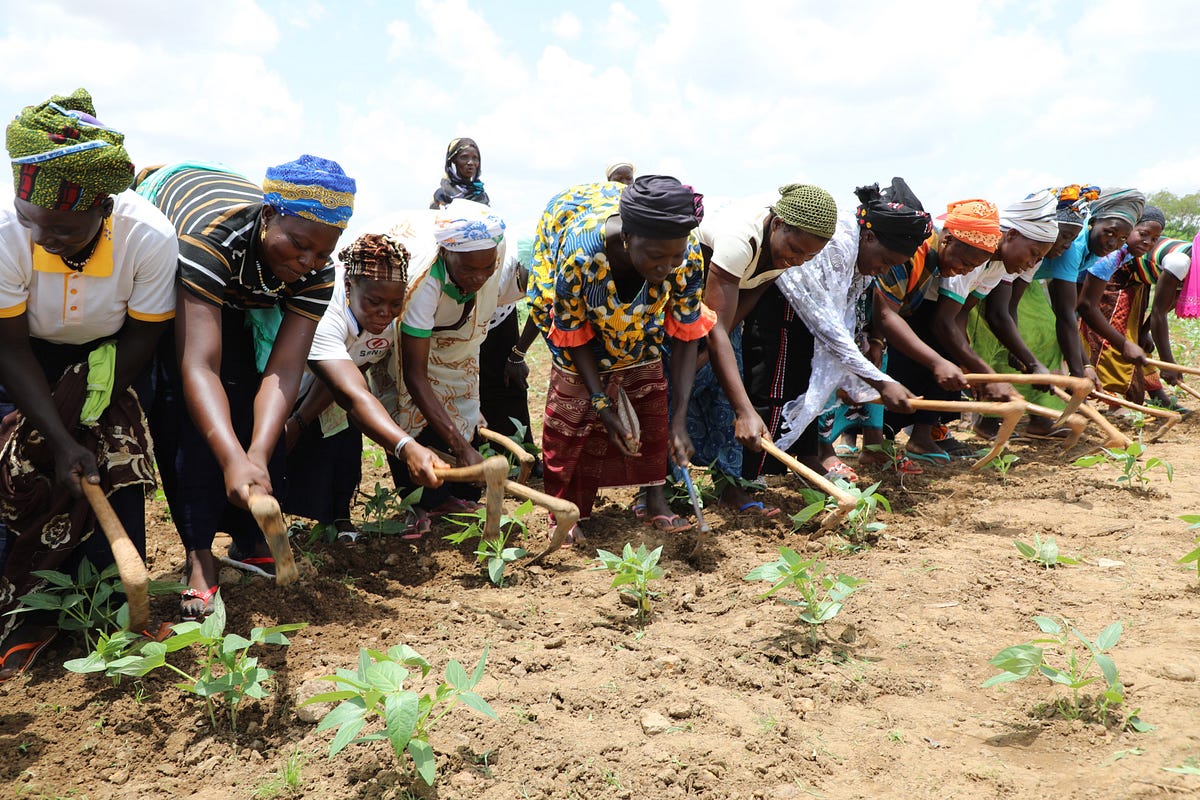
(31, 649)
(206, 604)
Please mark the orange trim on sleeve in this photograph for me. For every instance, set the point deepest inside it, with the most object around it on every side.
(141, 317)
(574, 338)
(12, 311)
(689, 331)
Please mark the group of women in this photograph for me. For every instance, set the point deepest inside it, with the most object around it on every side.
(190, 319)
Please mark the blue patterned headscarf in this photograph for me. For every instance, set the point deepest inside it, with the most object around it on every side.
(313, 188)
(465, 226)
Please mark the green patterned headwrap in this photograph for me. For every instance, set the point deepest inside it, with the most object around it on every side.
(65, 159)
(809, 208)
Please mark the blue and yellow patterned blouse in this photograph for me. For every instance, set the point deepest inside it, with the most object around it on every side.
(573, 298)
(905, 286)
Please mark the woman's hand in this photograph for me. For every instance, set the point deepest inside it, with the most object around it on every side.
(949, 376)
(1131, 352)
(895, 397)
(621, 438)
(74, 463)
(241, 476)
(679, 445)
(749, 429)
(516, 373)
(422, 462)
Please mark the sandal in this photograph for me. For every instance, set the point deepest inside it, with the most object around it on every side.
(935, 457)
(845, 451)
(668, 523)
(419, 524)
(263, 566)
(348, 537)
(906, 466)
(574, 536)
(455, 505)
(761, 508)
(836, 468)
(191, 596)
(31, 650)
(956, 449)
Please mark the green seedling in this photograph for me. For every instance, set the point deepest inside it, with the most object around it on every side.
(374, 455)
(494, 554)
(1193, 521)
(1190, 766)
(1134, 474)
(895, 456)
(376, 689)
(87, 603)
(821, 595)
(1075, 670)
(1002, 464)
(860, 523)
(632, 572)
(387, 511)
(226, 670)
(287, 781)
(1043, 551)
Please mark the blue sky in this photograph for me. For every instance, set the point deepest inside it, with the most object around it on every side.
(962, 98)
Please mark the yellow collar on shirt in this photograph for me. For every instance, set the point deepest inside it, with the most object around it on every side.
(100, 265)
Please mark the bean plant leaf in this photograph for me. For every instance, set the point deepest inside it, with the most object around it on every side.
(423, 758)
(1109, 637)
(476, 702)
(400, 717)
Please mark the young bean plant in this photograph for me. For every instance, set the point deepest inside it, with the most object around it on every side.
(822, 595)
(1043, 551)
(632, 572)
(386, 511)
(860, 523)
(1134, 474)
(494, 554)
(87, 603)
(1074, 670)
(1003, 464)
(377, 689)
(1193, 521)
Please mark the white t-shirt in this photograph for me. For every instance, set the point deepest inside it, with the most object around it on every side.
(339, 337)
(130, 273)
(435, 303)
(735, 235)
(979, 282)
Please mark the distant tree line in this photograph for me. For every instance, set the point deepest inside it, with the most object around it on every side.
(1182, 213)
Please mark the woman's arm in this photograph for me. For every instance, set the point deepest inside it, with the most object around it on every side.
(198, 346)
(999, 316)
(414, 350)
(135, 347)
(585, 362)
(280, 384)
(26, 385)
(1165, 296)
(344, 382)
(683, 376)
(899, 335)
(1088, 307)
(721, 294)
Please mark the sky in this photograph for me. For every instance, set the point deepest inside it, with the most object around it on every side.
(962, 98)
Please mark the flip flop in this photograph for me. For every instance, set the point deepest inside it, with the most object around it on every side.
(837, 468)
(845, 451)
(956, 449)
(574, 536)
(929, 458)
(760, 507)
(263, 566)
(31, 649)
(455, 505)
(419, 525)
(667, 523)
(348, 537)
(205, 598)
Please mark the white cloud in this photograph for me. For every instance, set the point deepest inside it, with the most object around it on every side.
(400, 34)
(566, 27)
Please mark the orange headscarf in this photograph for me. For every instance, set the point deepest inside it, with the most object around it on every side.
(976, 222)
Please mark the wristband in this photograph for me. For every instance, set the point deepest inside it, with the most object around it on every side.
(400, 445)
(299, 420)
(600, 402)
(520, 354)
(876, 340)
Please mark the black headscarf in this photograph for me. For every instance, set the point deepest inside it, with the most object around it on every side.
(454, 187)
(895, 216)
(660, 207)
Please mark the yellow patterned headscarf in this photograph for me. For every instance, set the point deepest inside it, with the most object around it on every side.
(65, 159)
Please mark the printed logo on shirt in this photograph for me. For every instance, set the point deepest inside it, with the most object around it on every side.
(378, 343)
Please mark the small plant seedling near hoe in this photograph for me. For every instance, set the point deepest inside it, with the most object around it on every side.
(632, 572)
(495, 553)
(1076, 671)
(387, 511)
(1002, 464)
(860, 522)
(1134, 474)
(376, 689)
(1043, 551)
(821, 595)
(1193, 521)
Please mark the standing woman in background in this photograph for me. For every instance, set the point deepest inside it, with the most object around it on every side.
(461, 178)
(255, 276)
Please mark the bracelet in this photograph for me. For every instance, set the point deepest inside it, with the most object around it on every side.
(299, 420)
(400, 445)
(600, 402)
(520, 354)
(876, 340)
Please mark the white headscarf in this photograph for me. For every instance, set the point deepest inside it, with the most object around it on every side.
(465, 226)
(1033, 217)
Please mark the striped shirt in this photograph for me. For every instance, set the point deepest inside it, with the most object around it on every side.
(217, 217)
